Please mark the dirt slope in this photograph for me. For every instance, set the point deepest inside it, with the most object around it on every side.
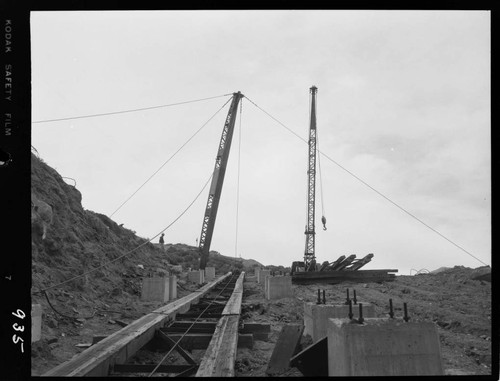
(77, 241)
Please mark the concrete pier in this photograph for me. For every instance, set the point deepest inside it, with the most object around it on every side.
(209, 274)
(277, 287)
(156, 289)
(261, 275)
(172, 287)
(316, 316)
(383, 347)
(36, 322)
(197, 276)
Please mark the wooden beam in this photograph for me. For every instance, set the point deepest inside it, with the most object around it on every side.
(220, 355)
(147, 368)
(285, 348)
(259, 331)
(191, 330)
(123, 344)
(255, 327)
(194, 315)
(191, 341)
(198, 324)
(233, 306)
(341, 276)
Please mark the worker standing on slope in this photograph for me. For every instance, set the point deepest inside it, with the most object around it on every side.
(162, 241)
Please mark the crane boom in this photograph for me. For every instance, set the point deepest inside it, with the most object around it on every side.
(309, 256)
(217, 181)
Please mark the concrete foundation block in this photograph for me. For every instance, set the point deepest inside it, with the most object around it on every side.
(316, 316)
(261, 275)
(172, 287)
(209, 274)
(197, 276)
(278, 287)
(383, 347)
(36, 322)
(156, 289)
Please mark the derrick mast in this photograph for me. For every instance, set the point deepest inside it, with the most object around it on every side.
(217, 181)
(309, 256)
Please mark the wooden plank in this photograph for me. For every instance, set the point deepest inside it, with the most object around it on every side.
(313, 361)
(259, 331)
(187, 324)
(123, 344)
(345, 274)
(194, 315)
(341, 276)
(233, 306)
(238, 287)
(191, 330)
(255, 327)
(220, 356)
(148, 368)
(191, 341)
(285, 348)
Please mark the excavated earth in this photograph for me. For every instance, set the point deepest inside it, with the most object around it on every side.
(80, 310)
(458, 304)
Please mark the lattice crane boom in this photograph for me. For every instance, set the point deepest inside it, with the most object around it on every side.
(217, 181)
(309, 255)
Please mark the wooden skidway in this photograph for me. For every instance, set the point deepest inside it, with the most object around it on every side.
(123, 344)
(221, 353)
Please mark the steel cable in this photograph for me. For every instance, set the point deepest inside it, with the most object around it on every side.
(369, 186)
(127, 111)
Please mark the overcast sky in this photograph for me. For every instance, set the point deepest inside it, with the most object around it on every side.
(403, 103)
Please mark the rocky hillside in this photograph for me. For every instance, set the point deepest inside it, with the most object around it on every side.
(79, 240)
(114, 258)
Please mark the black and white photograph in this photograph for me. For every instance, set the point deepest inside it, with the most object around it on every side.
(259, 193)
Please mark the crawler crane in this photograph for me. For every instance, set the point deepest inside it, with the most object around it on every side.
(344, 268)
(309, 263)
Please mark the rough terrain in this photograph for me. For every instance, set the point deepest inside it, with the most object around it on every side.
(458, 304)
(115, 260)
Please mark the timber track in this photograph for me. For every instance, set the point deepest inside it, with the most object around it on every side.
(193, 335)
